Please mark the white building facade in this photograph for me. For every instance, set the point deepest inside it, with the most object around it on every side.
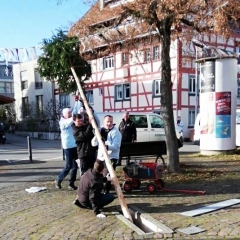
(33, 93)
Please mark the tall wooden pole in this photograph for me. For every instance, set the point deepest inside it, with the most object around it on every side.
(101, 145)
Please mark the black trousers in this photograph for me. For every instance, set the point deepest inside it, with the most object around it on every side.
(86, 163)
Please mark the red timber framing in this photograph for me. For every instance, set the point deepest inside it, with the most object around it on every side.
(139, 75)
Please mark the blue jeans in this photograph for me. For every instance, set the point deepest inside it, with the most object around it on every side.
(71, 165)
(104, 201)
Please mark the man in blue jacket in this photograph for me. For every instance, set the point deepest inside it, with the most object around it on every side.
(70, 150)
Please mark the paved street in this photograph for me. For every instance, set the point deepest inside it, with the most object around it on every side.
(50, 214)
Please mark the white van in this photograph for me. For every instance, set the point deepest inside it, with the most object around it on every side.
(196, 136)
(149, 125)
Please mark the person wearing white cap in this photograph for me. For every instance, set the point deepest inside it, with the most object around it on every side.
(70, 150)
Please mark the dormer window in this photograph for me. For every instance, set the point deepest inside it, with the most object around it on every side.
(108, 62)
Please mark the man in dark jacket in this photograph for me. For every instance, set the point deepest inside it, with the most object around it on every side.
(83, 134)
(129, 133)
(89, 193)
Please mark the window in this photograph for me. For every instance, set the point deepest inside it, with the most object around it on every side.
(6, 72)
(147, 55)
(191, 117)
(25, 107)
(38, 80)
(122, 92)
(139, 120)
(24, 81)
(39, 107)
(125, 58)
(108, 62)
(2, 87)
(64, 100)
(192, 85)
(6, 87)
(156, 121)
(156, 53)
(156, 88)
(89, 96)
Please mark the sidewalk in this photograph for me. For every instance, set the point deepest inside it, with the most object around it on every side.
(21, 141)
(50, 214)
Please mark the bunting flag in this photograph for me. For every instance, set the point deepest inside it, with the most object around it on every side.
(19, 54)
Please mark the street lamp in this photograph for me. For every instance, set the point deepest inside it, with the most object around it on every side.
(198, 47)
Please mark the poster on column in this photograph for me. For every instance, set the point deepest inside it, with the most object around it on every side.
(223, 115)
(207, 102)
(207, 77)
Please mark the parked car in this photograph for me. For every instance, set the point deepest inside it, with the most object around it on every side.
(196, 136)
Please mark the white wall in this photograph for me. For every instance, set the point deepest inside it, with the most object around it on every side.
(30, 92)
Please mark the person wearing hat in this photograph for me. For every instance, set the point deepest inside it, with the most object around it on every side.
(70, 150)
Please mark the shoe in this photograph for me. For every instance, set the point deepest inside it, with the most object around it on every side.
(72, 187)
(58, 184)
(77, 203)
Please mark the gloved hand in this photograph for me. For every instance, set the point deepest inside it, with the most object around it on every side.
(100, 215)
(81, 110)
(109, 177)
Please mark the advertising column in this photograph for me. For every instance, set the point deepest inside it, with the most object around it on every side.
(218, 101)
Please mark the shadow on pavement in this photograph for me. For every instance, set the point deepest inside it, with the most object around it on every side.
(27, 173)
(19, 162)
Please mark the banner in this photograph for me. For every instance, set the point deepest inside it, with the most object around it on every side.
(19, 54)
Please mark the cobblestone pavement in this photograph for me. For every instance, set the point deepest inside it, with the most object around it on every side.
(50, 214)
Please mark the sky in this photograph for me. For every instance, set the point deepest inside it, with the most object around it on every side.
(25, 23)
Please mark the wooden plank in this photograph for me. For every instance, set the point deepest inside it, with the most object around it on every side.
(102, 146)
(211, 208)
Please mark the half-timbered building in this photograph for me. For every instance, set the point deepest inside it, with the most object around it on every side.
(126, 64)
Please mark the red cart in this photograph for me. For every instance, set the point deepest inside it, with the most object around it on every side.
(150, 171)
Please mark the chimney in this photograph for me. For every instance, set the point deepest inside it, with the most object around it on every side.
(101, 4)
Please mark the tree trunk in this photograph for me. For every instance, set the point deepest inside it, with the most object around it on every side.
(166, 98)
